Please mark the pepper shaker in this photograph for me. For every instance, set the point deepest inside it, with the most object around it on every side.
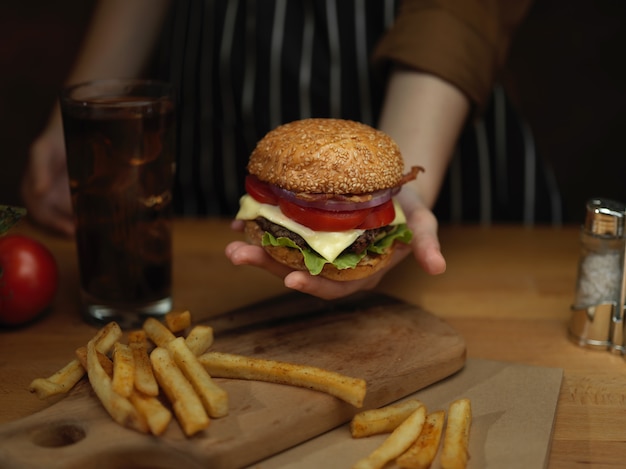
(597, 312)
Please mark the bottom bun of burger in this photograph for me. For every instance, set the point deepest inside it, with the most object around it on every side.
(293, 258)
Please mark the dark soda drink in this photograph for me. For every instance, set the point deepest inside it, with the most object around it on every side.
(120, 158)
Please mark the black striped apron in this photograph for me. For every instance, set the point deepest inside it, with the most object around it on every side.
(242, 67)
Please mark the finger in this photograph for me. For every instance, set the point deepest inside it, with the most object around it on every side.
(51, 210)
(45, 188)
(238, 225)
(329, 289)
(54, 219)
(242, 253)
(64, 225)
(45, 164)
(426, 246)
(428, 254)
(48, 211)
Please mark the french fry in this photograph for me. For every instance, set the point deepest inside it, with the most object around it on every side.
(185, 402)
(123, 369)
(382, 420)
(107, 336)
(138, 337)
(66, 378)
(177, 321)
(107, 364)
(157, 416)
(214, 399)
(199, 339)
(118, 407)
(145, 381)
(224, 365)
(60, 382)
(157, 332)
(422, 452)
(396, 443)
(454, 454)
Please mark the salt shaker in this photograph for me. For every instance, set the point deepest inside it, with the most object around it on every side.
(597, 312)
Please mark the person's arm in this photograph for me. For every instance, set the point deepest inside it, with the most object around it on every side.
(464, 43)
(120, 39)
(118, 43)
(425, 116)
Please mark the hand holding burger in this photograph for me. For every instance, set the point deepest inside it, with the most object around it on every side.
(320, 198)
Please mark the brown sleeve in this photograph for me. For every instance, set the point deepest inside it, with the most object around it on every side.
(463, 42)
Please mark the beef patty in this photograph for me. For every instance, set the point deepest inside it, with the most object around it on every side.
(357, 247)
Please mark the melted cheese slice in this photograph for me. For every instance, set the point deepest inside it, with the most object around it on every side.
(329, 244)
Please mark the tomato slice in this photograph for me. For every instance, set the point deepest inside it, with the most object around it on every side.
(326, 220)
(323, 220)
(260, 191)
(318, 219)
(379, 216)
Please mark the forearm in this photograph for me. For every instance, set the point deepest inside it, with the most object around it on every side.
(118, 43)
(425, 116)
(120, 39)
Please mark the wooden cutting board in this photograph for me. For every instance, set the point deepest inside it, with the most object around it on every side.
(396, 347)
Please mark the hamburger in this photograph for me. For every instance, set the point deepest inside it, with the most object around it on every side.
(320, 197)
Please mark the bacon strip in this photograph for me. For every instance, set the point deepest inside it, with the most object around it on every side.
(411, 175)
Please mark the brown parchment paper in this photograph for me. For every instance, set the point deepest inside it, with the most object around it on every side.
(513, 409)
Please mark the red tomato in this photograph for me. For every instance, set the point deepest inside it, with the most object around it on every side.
(379, 216)
(326, 220)
(322, 220)
(260, 191)
(28, 279)
(318, 219)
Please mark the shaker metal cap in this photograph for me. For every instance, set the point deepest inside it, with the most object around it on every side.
(605, 217)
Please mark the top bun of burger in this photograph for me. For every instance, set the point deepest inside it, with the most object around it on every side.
(329, 156)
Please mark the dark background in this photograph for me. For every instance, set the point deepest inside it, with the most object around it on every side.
(38, 41)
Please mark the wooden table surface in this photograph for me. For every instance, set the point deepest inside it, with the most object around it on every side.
(507, 291)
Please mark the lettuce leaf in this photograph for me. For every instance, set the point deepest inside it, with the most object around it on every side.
(315, 263)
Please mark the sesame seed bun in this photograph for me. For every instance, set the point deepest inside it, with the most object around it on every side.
(293, 258)
(329, 156)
